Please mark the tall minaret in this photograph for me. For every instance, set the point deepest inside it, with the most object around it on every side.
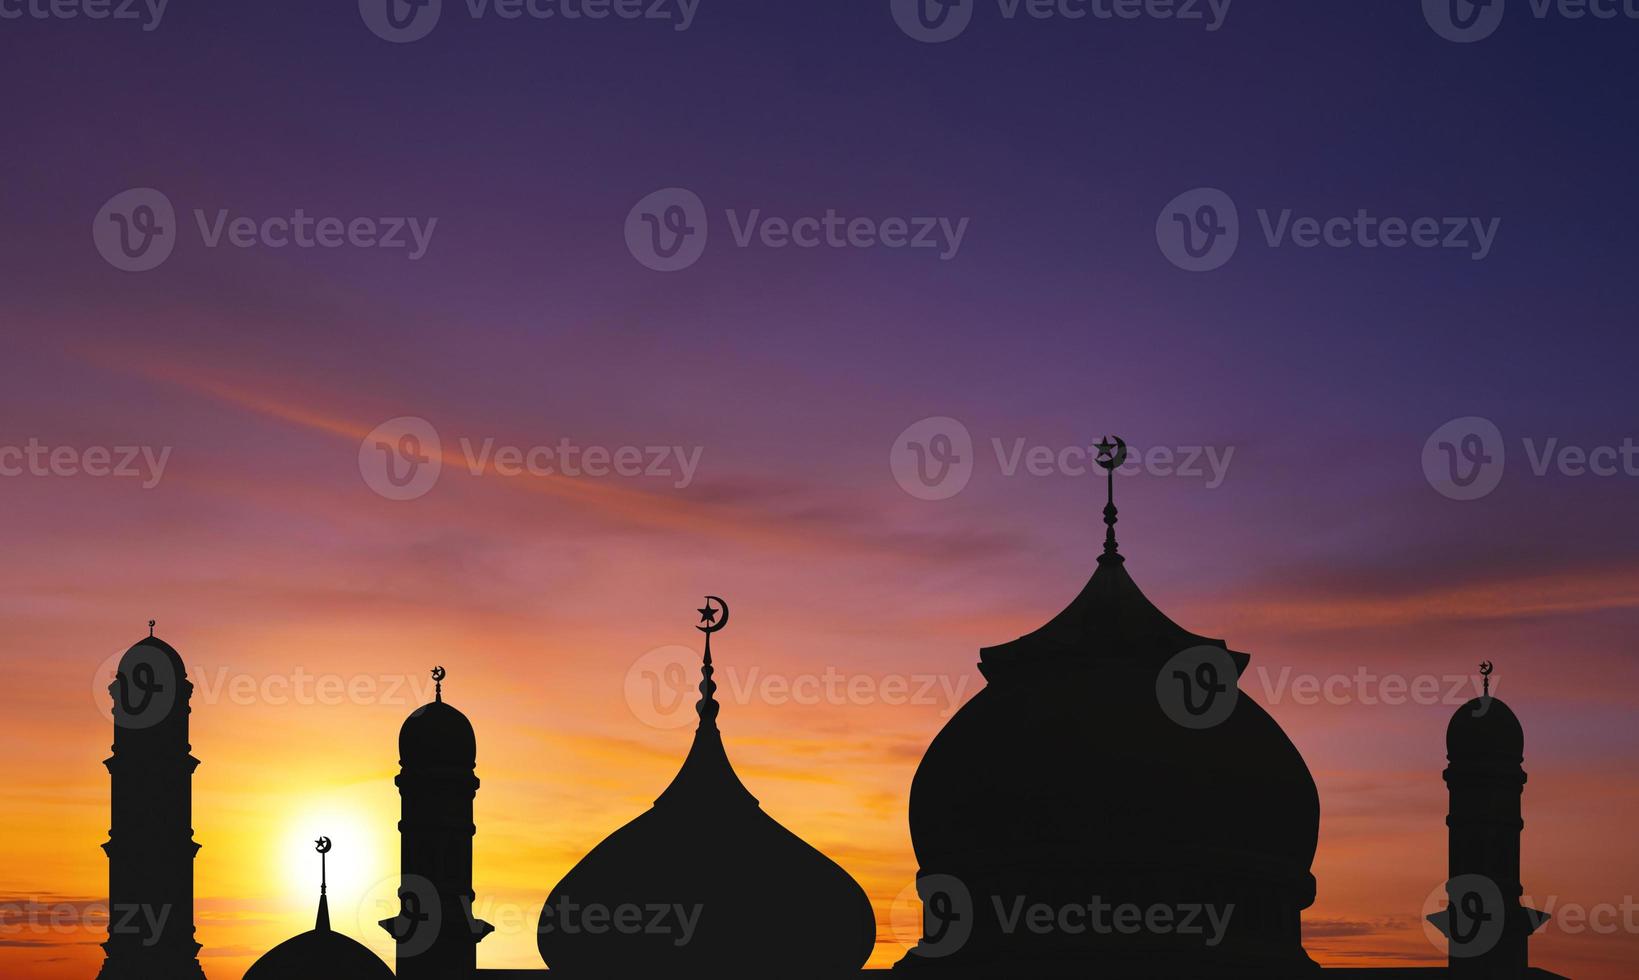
(150, 843)
(435, 929)
(1487, 926)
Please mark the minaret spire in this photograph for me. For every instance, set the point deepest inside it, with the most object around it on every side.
(322, 924)
(707, 707)
(1111, 455)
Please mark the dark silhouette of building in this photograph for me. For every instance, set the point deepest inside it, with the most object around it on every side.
(320, 953)
(705, 884)
(150, 840)
(436, 932)
(1110, 764)
(1486, 926)
(1080, 772)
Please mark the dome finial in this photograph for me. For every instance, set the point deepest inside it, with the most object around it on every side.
(150, 629)
(439, 673)
(707, 707)
(1111, 455)
(322, 924)
(1485, 673)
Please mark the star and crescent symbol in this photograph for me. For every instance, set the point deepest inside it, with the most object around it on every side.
(1111, 455)
(709, 623)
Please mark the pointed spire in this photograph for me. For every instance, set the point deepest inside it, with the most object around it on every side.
(322, 922)
(439, 673)
(1111, 455)
(707, 707)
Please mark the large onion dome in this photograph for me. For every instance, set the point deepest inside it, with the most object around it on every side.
(1111, 761)
(705, 884)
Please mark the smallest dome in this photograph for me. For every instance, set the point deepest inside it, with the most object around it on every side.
(319, 953)
(1485, 726)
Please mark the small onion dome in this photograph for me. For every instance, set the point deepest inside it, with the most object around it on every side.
(319, 955)
(150, 692)
(1485, 728)
(437, 734)
(705, 884)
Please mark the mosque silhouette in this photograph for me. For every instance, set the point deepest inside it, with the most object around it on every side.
(1110, 768)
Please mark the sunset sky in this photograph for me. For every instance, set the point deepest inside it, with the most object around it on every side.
(310, 607)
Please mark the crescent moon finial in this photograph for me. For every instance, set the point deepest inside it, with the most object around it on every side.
(439, 673)
(1111, 456)
(707, 707)
(1486, 667)
(150, 628)
(323, 845)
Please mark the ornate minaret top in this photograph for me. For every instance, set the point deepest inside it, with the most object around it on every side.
(707, 707)
(1111, 455)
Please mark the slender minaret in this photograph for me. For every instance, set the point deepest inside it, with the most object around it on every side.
(150, 841)
(436, 931)
(1486, 925)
